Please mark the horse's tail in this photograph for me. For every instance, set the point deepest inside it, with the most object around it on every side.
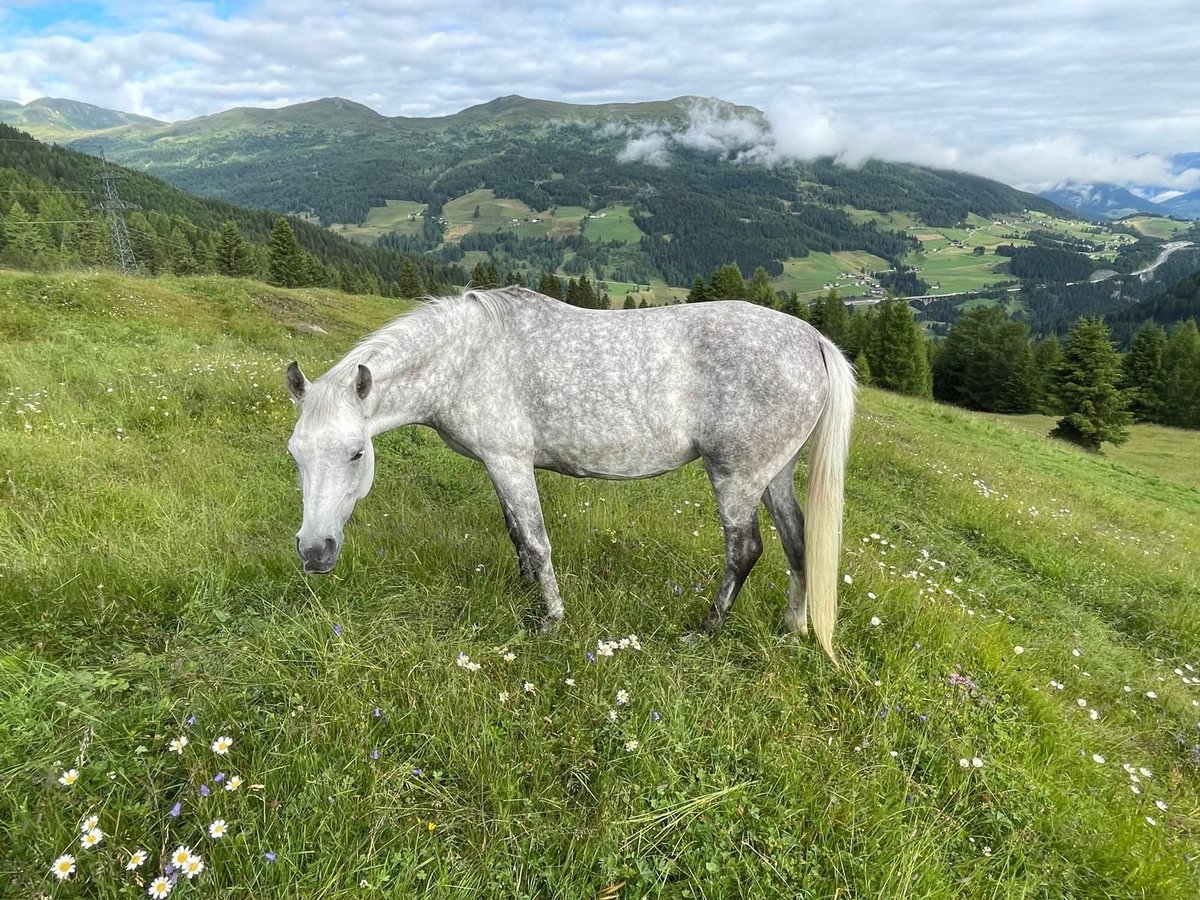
(826, 484)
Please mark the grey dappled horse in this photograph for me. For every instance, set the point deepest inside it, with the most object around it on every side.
(520, 381)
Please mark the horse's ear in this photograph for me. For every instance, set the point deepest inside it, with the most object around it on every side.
(296, 382)
(362, 384)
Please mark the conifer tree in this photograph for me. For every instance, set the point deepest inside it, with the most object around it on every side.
(862, 366)
(288, 267)
(1096, 410)
(550, 286)
(760, 290)
(1046, 357)
(1143, 373)
(986, 363)
(727, 283)
(699, 292)
(896, 348)
(409, 286)
(179, 252)
(233, 258)
(1181, 374)
(833, 319)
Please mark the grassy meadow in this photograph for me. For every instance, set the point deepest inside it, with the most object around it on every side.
(1016, 715)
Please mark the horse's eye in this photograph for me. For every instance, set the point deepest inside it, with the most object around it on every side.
(356, 457)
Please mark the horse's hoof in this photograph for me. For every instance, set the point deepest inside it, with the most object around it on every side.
(797, 626)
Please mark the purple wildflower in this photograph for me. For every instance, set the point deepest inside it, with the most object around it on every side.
(204, 790)
(591, 657)
(883, 713)
(269, 856)
(922, 718)
(176, 810)
(337, 630)
(378, 712)
(655, 715)
(962, 681)
(417, 773)
(375, 753)
(219, 777)
(191, 720)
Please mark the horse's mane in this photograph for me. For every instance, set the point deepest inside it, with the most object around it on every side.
(390, 339)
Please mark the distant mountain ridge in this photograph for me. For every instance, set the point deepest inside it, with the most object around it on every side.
(53, 117)
(699, 180)
(1104, 200)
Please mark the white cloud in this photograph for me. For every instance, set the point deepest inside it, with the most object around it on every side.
(648, 148)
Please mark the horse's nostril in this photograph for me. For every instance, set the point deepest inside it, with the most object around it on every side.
(330, 545)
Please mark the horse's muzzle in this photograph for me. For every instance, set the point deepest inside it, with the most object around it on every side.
(318, 559)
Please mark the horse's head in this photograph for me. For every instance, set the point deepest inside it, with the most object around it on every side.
(332, 448)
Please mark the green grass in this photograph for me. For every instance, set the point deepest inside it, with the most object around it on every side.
(613, 223)
(1157, 226)
(148, 574)
(808, 275)
(1168, 453)
(399, 216)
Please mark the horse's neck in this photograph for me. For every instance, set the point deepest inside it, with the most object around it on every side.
(410, 383)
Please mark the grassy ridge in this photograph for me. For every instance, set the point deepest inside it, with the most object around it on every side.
(148, 576)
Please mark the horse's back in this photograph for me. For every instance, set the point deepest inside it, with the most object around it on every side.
(634, 392)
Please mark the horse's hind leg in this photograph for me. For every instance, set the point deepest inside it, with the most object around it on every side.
(737, 502)
(780, 499)
(514, 534)
(515, 485)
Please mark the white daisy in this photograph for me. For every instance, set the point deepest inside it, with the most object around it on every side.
(177, 745)
(159, 887)
(69, 777)
(193, 867)
(181, 855)
(233, 783)
(136, 860)
(1162, 806)
(217, 829)
(89, 823)
(1098, 759)
(221, 745)
(63, 867)
(91, 838)
(631, 745)
(622, 697)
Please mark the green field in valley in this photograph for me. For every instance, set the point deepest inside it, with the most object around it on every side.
(809, 275)
(1016, 715)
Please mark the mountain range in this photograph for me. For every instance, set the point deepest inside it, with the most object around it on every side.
(693, 181)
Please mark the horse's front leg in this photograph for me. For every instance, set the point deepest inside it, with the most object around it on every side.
(515, 485)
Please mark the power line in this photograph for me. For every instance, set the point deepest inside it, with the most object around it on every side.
(43, 191)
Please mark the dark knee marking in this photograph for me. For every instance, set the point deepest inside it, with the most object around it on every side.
(745, 549)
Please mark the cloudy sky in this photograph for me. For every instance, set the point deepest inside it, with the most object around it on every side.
(1028, 91)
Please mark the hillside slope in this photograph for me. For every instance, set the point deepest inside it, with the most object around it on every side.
(1021, 627)
(700, 178)
(58, 186)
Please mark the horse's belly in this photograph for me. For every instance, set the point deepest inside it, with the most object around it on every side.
(620, 459)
